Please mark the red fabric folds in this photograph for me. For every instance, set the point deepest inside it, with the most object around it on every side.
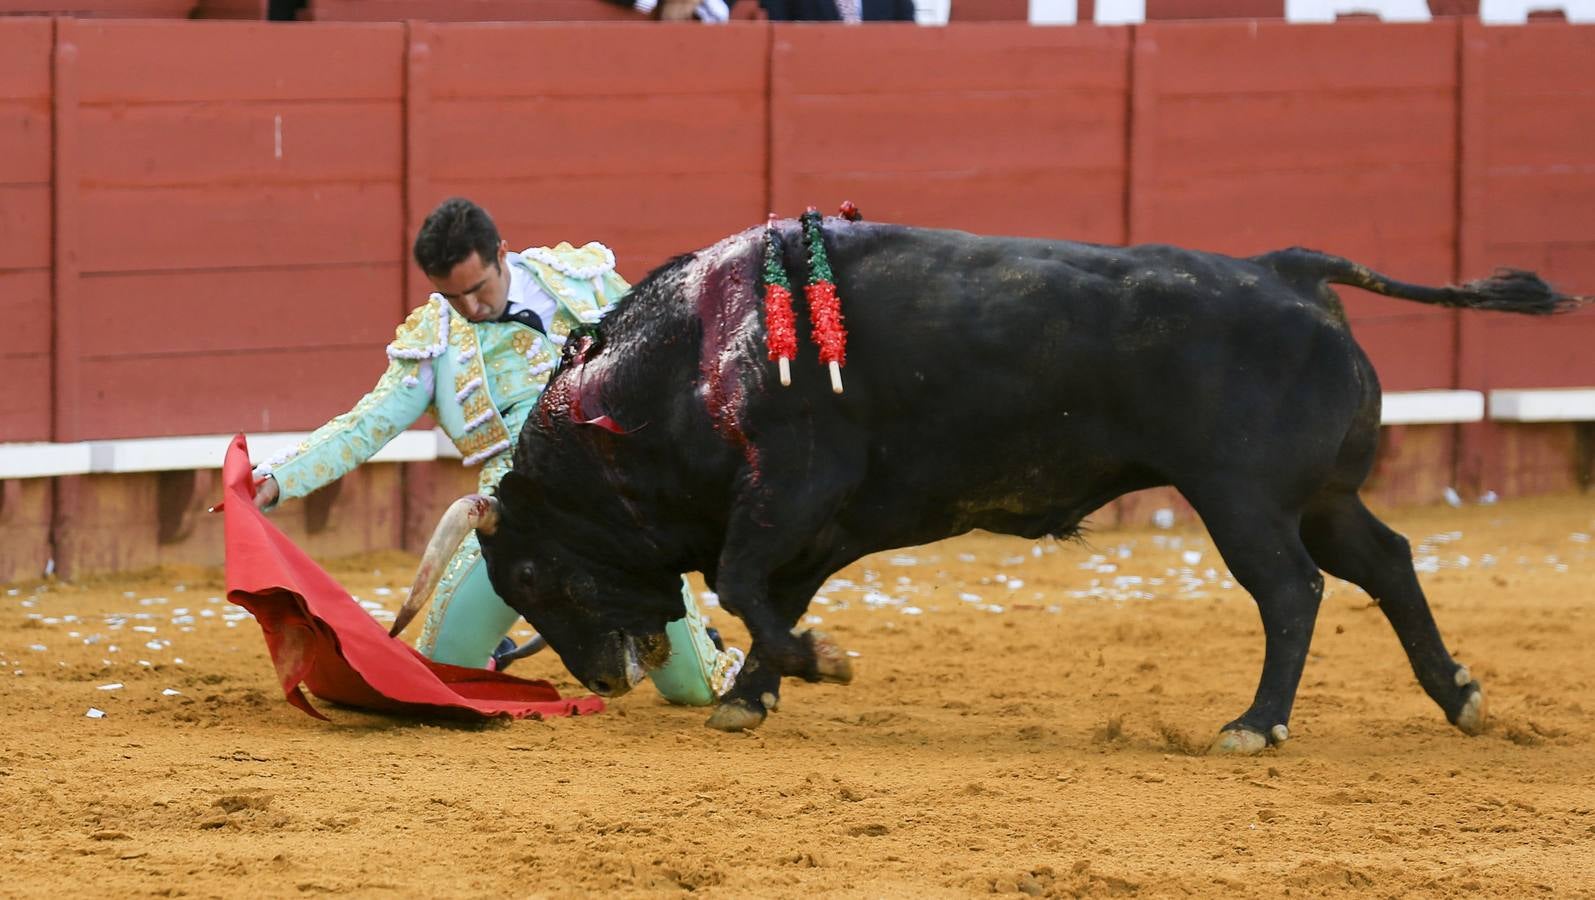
(319, 636)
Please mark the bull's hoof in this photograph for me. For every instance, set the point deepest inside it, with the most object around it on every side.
(830, 660)
(1471, 718)
(1238, 742)
(736, 715)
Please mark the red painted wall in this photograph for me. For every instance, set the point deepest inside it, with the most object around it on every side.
(237, 222)
(1003, 129)
(1251, 136)
(648, 138)
(1528, 200)
(233, 203)
(1528, 196)
(25, 228)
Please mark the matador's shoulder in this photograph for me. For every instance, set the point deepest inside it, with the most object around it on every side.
(425, 332)
(582, 263)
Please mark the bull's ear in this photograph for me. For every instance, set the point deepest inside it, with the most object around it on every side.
(518, 494)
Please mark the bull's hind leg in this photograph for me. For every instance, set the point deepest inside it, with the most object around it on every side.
(1348, 542)
(1260, 543)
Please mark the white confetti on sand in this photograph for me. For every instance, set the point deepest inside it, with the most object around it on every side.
(113, 686)
(95, 713)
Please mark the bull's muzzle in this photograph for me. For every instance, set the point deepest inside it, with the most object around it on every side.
(632, 672)
(477, 511)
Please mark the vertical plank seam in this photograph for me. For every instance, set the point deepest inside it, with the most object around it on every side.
(412, 83)
(65, 492)
(62, 240)
(1131, 45)
(769, 116)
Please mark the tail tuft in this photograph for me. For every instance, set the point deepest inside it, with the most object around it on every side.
(1516, 291)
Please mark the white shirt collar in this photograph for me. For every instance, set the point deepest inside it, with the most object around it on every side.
(526, 293)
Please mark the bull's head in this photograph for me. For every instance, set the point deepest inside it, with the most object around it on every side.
(604, 618)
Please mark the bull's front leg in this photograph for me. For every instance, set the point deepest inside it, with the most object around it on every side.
(767, 576)
(776, 651)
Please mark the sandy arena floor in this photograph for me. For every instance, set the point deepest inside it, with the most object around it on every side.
(1027, 717)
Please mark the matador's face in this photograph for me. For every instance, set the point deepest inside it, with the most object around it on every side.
(477, 289)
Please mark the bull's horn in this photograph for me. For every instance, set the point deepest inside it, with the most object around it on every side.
(477, 511)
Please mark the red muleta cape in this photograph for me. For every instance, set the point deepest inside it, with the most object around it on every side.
(319, 636)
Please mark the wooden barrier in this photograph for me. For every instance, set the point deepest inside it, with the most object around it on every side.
(25, 142)
(116, 9)
(236, 221)
(26, 506)
(894, 118)
(193, 215)
(651, 141)
(1250, 136)
(1528, 200)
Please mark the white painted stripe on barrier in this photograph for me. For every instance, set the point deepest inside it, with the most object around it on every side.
(1437, 407)
(1543, 405)
(189, 452)
(159, 454)
(207, 451)
(43, 460)
(445, 448)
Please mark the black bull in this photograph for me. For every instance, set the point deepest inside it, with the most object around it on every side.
(997, 383)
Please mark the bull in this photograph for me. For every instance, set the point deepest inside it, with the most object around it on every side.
(1005, 384)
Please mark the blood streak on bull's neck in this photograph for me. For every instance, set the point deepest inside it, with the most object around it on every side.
(723, 278)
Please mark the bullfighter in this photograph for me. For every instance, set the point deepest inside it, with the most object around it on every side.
(477, 355)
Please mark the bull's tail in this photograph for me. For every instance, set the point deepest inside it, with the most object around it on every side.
(1508, 290)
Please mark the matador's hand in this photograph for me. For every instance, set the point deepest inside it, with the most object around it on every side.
(266, 492)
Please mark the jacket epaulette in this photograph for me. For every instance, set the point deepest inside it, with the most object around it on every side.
(424, 333)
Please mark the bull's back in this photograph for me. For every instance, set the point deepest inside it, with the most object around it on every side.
(1021, 374)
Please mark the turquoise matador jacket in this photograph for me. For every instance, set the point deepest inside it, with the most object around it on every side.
(480, 380)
